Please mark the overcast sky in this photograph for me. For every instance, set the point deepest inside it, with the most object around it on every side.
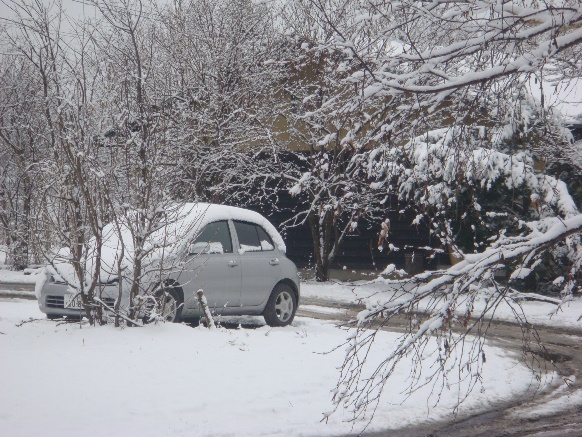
(74, 8)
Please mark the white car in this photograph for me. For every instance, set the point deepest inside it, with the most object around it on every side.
(235, 256)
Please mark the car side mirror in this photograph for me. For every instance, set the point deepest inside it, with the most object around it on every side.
(198, 247)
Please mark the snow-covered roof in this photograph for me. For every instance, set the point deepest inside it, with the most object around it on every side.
(200, 214)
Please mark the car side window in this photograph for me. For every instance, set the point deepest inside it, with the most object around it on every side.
(266, 242)
(214, 238)
(248, 238)
(252, 238)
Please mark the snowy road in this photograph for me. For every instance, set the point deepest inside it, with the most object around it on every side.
(553, 412)
(20, 290)
(550, 413)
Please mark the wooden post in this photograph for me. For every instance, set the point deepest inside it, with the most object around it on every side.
(204, 305)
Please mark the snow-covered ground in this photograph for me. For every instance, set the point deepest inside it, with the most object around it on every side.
(63, 379)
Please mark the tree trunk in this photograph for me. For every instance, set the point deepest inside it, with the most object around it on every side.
(21, 249)
(322, 234)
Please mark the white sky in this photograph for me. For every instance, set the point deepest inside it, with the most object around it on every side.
(73, 8)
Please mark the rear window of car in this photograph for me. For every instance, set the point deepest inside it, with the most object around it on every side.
(252, 238)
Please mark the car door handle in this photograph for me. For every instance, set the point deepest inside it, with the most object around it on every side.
(274, 262)
(232, 263)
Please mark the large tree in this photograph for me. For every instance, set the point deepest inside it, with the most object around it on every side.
(104, 119)
(20, 155)
(222, 62)
(327, 175)
(455, 79)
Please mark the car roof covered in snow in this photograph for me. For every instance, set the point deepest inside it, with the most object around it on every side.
(198, 215)
(180, 224)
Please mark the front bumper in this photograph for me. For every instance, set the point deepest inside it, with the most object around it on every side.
(52, 297)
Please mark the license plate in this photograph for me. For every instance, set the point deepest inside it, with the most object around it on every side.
(73, 301)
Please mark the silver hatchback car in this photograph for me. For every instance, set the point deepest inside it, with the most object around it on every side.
(234, 255)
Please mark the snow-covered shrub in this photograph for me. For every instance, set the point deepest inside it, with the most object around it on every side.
(466, 190)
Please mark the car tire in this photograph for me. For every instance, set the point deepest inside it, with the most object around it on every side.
(281, 307)
(172, 308)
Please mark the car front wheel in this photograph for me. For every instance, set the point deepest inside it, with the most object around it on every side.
(168, 304)
(281, 307)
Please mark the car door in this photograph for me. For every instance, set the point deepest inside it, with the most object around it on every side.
(259, 262)
(213, 266)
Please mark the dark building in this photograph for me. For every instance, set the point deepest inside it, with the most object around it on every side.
(359, 250)
(576, 130)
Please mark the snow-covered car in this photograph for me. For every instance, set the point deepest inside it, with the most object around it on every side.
(235, 256)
